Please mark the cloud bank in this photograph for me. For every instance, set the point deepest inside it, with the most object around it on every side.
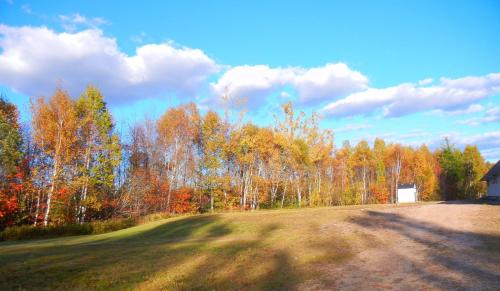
(313, 85)
(449, 94)
(33, 60)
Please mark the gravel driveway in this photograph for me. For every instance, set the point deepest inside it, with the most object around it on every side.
(453, 246)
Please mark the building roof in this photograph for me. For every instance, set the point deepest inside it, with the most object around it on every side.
(406, 186)
(494, 171)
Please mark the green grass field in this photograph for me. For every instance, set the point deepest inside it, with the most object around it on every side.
(262, 250)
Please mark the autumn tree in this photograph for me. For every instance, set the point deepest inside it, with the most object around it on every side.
(143, 191)
(279, 167)
(10, 139)
(245, 150)
(211, 142)
(362, 158)
(394, 162)
(296, 148)
(320, 144)
(424, 175)
(474, 170)
(379, 188)
(54, 131)
(342, 176)
(99, 150)
(451, 161)
(178, 130)
(10, 161)
(72, 167)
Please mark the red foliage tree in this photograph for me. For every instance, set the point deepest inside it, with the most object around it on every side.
(380, 193)
(182, 200)
(9, 204)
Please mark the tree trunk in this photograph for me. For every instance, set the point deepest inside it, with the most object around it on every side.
(299, 193)
(37, 207)
(49, 195)
(284, 194)
(211, 201)
(363, 201)
(82, 210)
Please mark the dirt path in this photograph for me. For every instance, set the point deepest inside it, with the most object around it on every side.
(437, 246)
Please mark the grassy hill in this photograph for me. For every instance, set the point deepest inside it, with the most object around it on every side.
(268, 249)
(259, 250)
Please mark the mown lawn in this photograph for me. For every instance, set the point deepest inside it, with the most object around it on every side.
(260, 250)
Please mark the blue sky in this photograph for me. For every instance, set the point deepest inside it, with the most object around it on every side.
(408, 71)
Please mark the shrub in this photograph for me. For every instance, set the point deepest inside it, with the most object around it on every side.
(96, 227)
(112, 225)
(154, 217)
(33, 232)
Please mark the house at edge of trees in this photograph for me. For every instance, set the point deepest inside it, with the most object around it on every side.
(407, 193)
(493, 180)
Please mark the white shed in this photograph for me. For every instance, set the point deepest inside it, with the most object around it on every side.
(407, 193)
(493, 179)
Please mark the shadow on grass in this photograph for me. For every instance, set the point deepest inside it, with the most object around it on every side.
(464, 260)
(238, 265)
(190, 253)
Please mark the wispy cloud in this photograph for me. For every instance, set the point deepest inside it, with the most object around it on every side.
(490, 115)
(486, 140)
(414, 134)
(26, 8)
(353, 127)
(139, 38)
(76, 21)
(473, 108)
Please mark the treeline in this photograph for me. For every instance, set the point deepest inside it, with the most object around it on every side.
(72, 166)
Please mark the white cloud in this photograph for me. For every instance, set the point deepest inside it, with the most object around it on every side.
(490, 115)
(414, 134)
(313, 85)
(425, 81)
(76, 21)
(353, 127)
(139, 38)
(494, 111)
(414, 138)
(33, 60)
(473, 108)
(449, 95)
(26, 8)
(252, 82)
(328, 82)
(485, 141)
(284, 94)
(492, 155)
